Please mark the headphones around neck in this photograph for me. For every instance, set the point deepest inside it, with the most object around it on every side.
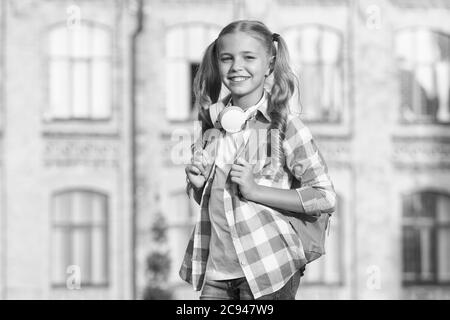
(230, 118)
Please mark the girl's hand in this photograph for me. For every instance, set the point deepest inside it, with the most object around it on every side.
(242, 174)
(195, 176)
(196, 171)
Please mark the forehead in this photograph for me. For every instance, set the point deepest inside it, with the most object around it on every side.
(240, 42)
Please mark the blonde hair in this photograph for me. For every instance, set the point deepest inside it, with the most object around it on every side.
(207, 82)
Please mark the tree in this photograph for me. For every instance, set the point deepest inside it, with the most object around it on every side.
(158, 263)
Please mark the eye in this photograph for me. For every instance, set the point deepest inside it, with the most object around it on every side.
(250, 57)
(225, 59)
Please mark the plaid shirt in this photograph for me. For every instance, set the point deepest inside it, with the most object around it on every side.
(266, 243)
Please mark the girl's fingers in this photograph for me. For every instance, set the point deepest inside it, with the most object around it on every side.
(193, 169)
(242, 162)
(235, 173)
(236, 180)
(198, 164)
(200, 167)
(196, 170)
(237, 167)
(202, 157)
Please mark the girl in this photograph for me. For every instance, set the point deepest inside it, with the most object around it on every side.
(244, 246)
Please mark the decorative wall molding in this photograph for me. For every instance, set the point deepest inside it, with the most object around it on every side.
(337, 153)
(81, 152)
(23, 7)
(80, 135)
(316, 3)
(190, 2)
(421, 153)
(421, 4)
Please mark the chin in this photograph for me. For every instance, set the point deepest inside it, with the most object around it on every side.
(239, 91)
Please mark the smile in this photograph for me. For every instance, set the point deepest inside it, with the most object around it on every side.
(238, 79)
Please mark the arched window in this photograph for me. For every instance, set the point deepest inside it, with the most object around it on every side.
(185, 45)
(328, 268)
(424, 61)
(80, 237)
(426, 238)
(316, 54)
(80, 72)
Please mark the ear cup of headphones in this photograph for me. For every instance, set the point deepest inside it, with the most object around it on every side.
(232, 119)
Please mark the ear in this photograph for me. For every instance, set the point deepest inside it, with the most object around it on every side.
(271, 66)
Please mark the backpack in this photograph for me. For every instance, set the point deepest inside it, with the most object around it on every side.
(312, 231)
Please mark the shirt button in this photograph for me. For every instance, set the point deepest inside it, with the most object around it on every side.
(243, 263)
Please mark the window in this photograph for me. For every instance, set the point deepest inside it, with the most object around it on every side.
(80, 73)
(426, 238)
(316, 54)
(181, 215)
(424, 61)
(185, 45)
(328, 268)
(79, 236)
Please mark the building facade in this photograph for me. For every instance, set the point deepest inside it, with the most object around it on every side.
(97, 115)
(65, 160)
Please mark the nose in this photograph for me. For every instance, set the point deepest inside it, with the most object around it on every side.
(237, 65)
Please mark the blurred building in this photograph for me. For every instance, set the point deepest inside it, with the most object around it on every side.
(95, 102)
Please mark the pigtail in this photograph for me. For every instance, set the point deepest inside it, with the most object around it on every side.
(207, 85)
(284, 85)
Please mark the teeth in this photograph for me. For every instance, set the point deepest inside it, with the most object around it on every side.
(238, 79)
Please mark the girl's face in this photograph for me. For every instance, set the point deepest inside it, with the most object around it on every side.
(243, 66)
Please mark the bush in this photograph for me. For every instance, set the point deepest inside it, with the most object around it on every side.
(158, 263)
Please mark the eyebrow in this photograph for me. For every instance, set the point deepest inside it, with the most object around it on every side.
(244, 52)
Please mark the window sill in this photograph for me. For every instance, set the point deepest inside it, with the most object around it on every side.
(425, 292)
(107, 128)
(329, 129)
(427, 131)
(425, 284)
(182, 122)
(82, 286)
(332, 284)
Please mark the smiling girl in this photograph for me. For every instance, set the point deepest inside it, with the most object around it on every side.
(243, 246)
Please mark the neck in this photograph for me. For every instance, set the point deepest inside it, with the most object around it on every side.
(245, 102)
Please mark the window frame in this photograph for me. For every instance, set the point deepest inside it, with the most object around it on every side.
(187, 60)
(339, 67)
(434, 227)
(413, 30)
(71, 227)
(109, 58)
